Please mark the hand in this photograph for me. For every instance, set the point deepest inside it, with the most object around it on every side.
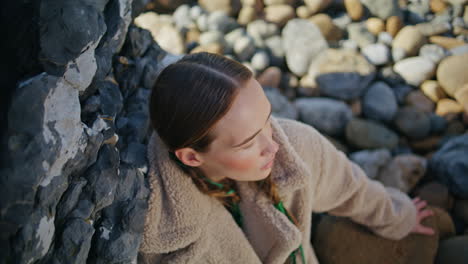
(418, 228)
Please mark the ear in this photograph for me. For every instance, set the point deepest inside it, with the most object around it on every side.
(189, 157)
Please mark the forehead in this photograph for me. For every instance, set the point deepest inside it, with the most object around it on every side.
(246, 116)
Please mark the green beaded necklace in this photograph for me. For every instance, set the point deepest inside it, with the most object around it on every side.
(237, 215)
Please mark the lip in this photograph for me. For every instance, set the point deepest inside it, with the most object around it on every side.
(269, 164)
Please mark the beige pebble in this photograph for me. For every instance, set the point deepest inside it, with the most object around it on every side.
(192, 35)
(452, 73)
(433, 90)
(447, 106)
(292, 80)
(438, 6)
(246, 15)
(211, 47)
(279, 14)
(458, 30)
(303, 12)
(410, 39)
(249, 2)
(375, 25)
(329, 30)
(446, 42)
(316, 6)
(354, 9)
(393, 25)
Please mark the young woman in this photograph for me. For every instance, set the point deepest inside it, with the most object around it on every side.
(230, 183)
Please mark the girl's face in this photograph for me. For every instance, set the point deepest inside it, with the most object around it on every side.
(243, 148)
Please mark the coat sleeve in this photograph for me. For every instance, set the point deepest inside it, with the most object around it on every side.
(343, 189)
(340, 187)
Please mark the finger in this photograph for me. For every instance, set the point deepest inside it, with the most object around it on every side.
(421, 204)
(425, 213)
(416, 199)
(425, 230)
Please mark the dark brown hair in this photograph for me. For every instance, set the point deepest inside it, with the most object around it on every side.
(188, 98)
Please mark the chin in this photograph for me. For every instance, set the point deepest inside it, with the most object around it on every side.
(265, 174)
(261, 175)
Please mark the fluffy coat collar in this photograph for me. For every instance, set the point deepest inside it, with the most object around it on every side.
(179, 212)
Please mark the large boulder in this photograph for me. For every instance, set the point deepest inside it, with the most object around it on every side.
(339, 240)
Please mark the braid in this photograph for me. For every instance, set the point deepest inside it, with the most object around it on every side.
(228, 199)
(197, 178)
(269, 187)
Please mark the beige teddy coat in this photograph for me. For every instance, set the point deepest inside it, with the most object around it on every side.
(184, 225)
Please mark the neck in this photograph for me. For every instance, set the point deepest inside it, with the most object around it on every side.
(212, 176)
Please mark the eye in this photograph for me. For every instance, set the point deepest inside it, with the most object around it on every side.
(248, 145)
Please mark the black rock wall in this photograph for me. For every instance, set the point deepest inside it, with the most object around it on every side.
(73, 176)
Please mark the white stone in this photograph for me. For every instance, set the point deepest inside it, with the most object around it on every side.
(303, 42)
(415, 70)
(377, 54)
(260, 60)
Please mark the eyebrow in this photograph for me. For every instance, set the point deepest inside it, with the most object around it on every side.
(251, 137)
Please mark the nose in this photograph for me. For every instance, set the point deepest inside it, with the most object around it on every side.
(271, 147)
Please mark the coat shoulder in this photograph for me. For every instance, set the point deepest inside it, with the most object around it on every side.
(304, 138)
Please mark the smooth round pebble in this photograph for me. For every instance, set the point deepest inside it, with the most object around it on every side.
(327, 115)
(412, 123)
(367, 134)
(377, 54)
(415, 70)
(379, 102)
(260, 60)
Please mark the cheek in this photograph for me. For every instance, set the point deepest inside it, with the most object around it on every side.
(242, 163)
